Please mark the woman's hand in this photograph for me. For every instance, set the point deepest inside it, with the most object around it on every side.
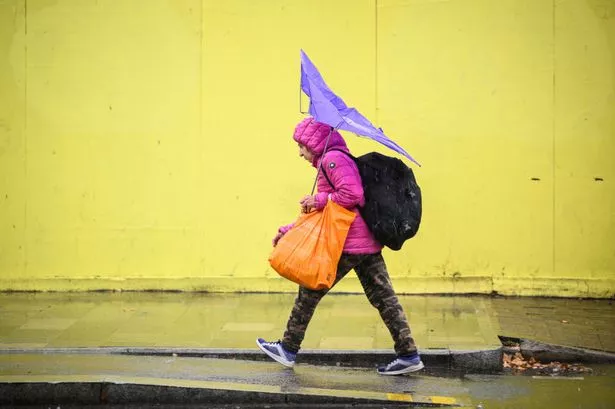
(281, 232)
(308, 203)
(277, 238)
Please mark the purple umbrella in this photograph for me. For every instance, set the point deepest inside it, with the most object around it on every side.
(330, 109)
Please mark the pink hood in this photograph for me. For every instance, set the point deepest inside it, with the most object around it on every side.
(314, 134)
(344, 175)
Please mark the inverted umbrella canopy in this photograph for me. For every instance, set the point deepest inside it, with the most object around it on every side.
(327, 107)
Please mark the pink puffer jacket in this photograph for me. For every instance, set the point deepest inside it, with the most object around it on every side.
(344, 175)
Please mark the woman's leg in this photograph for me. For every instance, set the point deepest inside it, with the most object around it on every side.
(374, 277)
(306, 302)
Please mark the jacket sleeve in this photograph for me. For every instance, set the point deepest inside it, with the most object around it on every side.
(347, 186)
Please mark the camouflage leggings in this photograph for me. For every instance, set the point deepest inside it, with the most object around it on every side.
(372, 273)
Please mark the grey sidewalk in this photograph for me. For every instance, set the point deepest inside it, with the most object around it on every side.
(346, 322)
(570, 322)
(57, 345)
(341, 322)
(452, 332)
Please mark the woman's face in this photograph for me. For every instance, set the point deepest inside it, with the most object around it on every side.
(305, 153)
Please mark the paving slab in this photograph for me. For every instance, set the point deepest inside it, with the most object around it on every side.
(341, 321)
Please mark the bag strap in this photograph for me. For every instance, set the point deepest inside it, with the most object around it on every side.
(344, 152)
(324, 172)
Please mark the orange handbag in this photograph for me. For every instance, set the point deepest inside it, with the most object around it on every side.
(308, 254)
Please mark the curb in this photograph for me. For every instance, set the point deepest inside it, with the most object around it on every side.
(489, 360)
(165, 391)
(551, 352)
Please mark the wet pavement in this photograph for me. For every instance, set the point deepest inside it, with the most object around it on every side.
(346, 322)
(40, 333)
(232, 375)
(561, 321)
(593, 391)
(139, 378)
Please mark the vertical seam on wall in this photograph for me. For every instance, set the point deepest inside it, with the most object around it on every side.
(376, 108)
(201, 138)
(25, 137)
(553, 115)
(201, 225)
(201, 72)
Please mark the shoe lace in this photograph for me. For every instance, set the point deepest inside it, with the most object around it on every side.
(392, 364)
(278, 342)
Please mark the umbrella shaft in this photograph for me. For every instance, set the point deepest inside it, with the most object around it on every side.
(320, 161)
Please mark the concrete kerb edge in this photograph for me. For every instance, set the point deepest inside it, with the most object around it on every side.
(544, 352)
(96, 393)
(471, 360)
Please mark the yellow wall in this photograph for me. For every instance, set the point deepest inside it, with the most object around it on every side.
(146, 144)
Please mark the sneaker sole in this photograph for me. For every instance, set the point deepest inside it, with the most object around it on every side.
(275, 357)
(409, 369)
